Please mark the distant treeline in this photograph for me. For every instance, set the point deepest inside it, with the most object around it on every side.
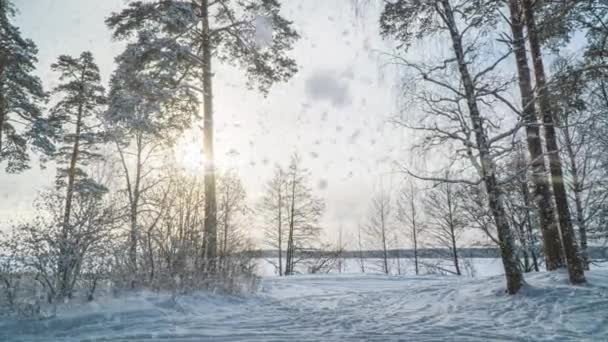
(428, 253)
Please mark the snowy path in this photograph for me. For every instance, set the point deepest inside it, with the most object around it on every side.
(344, 308)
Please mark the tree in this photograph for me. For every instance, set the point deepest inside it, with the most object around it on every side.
(143, 120)
(360, 247)
(179, 40)
(22, 124)
(519, 206)
(304, 210)
(380, 226)
(233, 214)
(581, 127)
(576, 272)
(407, 215)
(543, 195)
(445, 220)
(407, 21)
(273, 209)
(81, 97)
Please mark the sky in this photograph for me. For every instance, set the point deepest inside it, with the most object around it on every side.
(335, 112)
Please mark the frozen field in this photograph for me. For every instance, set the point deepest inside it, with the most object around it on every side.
(347, 307)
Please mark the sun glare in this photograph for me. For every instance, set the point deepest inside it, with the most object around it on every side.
(189, 154)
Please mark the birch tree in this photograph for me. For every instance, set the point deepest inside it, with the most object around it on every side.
(179, 41)
(408, 216)
(379, 227)
(273, 209)
(461, 103)
(445, 220)
(304, 211)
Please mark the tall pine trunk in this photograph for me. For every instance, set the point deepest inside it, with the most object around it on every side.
(488, 167)
(66, 257)
(542, 195)
(210, 222)
(575, 268)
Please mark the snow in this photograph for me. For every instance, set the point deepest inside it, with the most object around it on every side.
(345, 307)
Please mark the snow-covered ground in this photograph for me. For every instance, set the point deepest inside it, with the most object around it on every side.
(345, 307)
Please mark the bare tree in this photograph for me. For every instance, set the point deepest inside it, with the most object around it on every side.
(407, 215)
(360, 247)
(233, 215)
(379, 225)
(273, 209)
(303, 210)
(460, 103)
(444, 218)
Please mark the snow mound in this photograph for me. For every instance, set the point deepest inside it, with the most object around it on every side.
(349, 307)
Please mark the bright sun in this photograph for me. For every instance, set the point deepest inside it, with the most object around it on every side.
(189, 153)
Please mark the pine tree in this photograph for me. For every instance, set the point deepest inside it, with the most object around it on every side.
(543, 195)
(81, 98)
(22, 124)
(177, 41)
(575, 268)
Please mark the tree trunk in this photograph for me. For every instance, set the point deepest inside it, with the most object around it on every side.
(290, 248)
(361, 260)
(135, 209)
(578, 202)
(488, 167)
(210, 222)
(280, 208)
(384, 249)
(3, 110)
(575, 269)
(414, 233)
(452, 231)
(542, 196)
(65, 251)
(529, 235)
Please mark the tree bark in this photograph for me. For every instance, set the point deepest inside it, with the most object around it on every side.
(488, 167)
(528, 234)
(569, 245)
(210, 222)
(542, 196)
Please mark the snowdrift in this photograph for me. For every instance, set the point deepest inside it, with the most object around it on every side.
(348, 307)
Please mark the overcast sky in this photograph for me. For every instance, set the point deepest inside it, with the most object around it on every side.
(334, 112)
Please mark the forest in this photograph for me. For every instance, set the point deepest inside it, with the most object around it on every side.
(505, 125)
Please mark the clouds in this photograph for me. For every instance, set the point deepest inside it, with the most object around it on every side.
(328, 85)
